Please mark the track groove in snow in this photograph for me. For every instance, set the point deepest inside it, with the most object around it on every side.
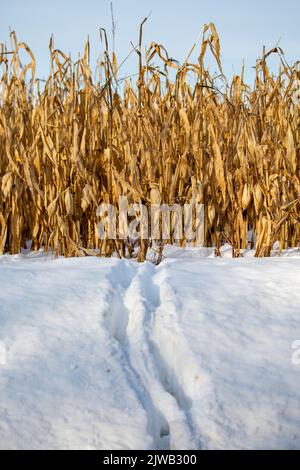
(130, 318)
(117, 319)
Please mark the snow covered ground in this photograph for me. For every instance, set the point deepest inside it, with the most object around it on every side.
(107, 354)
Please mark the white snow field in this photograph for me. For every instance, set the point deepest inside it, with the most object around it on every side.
(195, 353)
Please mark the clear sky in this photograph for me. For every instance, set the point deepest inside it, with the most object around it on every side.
(244, 26)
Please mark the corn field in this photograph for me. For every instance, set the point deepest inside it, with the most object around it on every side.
(80, 139)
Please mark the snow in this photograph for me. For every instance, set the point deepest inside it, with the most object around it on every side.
(195, 353)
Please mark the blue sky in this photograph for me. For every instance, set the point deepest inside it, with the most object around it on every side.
(243, 26)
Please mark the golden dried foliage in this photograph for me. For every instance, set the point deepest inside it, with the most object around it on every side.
(75, 142)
